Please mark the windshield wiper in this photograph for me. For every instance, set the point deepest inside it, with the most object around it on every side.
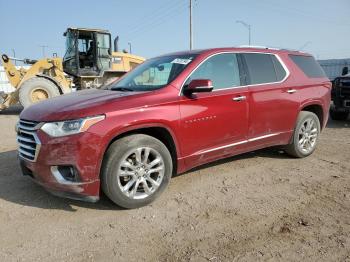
(122, 89)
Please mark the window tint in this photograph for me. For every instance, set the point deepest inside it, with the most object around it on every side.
(308, 65)
(280, 72)
(263, 68)
(221, 69)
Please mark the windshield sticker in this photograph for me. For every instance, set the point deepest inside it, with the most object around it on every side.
(181, 61)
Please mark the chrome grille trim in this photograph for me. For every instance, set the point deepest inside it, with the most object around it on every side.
(19, 137)
(27, 139)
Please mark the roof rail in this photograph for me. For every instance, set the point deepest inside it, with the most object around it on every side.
(256, 46)
(272, 48)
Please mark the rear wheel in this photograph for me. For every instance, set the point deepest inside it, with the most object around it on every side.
(37, 89)
(136, 169)
(305, 135)
(336, 115)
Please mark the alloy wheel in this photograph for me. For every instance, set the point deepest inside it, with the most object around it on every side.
(307, 135)
(140, 173)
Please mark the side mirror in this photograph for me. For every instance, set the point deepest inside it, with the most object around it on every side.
(345, 71)
(199, 86)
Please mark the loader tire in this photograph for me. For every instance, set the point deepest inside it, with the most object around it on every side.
(37, 89)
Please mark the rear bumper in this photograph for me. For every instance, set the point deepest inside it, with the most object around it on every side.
(81, 151)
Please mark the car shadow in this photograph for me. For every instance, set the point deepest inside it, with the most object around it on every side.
(338, 123)
(271, 152)
(21, 190)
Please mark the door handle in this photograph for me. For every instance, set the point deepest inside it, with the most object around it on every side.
(239, 98)
(291, 91)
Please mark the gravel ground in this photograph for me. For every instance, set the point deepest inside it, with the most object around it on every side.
(253, 207)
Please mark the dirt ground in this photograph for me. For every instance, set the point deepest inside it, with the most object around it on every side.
(261, 206)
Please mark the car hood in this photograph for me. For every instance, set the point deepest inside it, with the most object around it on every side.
(79, 104)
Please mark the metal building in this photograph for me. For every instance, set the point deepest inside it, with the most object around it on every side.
(333, 67)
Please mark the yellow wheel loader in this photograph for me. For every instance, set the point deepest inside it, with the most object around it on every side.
(89, 62)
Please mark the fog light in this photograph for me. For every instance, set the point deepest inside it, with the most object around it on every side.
(69, 173)
(65, 174)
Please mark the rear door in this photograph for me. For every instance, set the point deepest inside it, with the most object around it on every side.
(274, 104)
(213, 123)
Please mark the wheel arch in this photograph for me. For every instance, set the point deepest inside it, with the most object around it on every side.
(158, 131)
(317, 109)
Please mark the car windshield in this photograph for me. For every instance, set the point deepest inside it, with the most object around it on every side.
(153, 74)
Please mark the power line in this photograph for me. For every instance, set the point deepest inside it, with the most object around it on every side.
(153, 14)
(167, 16)
(277, 9)
(157, 24)
(141, 25)
(157, 20)
(305, 14)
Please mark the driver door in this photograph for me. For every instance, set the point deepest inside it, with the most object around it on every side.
(104, 57)
(214, 124)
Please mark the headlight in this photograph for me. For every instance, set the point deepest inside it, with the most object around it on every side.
(70, 127)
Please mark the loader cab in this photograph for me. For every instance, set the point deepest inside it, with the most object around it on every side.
(88, 52)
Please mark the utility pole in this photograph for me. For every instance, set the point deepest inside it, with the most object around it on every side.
(14, 55)
(248, 26)
(191, 27)
(129, 47)
(43, 49)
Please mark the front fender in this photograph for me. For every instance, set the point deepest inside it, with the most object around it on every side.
(113, 134)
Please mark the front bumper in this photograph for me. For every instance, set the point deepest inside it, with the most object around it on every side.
(81, 151)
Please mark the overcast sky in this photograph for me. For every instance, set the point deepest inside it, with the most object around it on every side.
(155, 27)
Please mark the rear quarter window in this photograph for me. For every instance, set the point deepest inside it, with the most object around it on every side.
(308, 65)
(263, 68)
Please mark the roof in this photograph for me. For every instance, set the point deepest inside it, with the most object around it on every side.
(88, 29)
(237, 49)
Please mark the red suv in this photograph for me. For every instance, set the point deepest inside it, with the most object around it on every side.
(170, 114)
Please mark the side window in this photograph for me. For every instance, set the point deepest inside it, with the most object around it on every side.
(308, 65)
(263, 68)
(221, 69)
(280, 71)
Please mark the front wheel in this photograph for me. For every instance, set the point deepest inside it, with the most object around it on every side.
(136, 169)
(37, 89)
(305, 135)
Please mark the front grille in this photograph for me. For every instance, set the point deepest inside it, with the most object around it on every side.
(345, 91)
(344, 86)
(28, 142)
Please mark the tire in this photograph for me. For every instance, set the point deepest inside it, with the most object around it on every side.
(37, 89)
(121, 169)
(338, 116)
(304, 142)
